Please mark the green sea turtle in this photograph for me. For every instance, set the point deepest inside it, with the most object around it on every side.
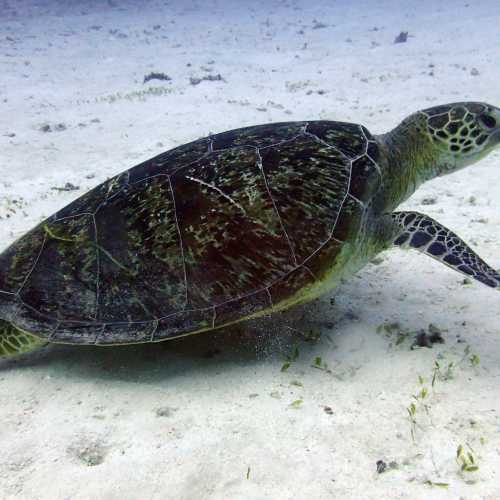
(236, 225)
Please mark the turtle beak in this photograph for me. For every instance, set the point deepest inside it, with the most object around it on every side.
(490, 123)
(495, 135)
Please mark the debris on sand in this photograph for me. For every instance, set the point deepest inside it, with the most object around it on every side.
(402, 37)
(317, 25)
(394, 330)
(165, 411)
(211, 78)
(89, 451)
(328, 410)
(429, 338)
(58, 127)
(156, 76)
(69, 186)
(423, 338)
(383, 466)
(429, 200)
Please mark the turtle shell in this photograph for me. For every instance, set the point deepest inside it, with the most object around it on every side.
(201, 236)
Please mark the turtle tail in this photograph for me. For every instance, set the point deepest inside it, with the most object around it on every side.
(14, 341)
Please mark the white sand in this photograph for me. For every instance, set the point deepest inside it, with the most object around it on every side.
(167, 422)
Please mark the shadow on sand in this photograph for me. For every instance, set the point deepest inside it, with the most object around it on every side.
(253, 342)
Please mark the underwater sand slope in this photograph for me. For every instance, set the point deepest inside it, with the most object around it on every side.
(89, 89)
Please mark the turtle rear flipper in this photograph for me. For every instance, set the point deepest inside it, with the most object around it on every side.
(421, 232)
(14, 342)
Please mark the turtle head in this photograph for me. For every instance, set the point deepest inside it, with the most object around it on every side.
(434, 142)
(463, 133)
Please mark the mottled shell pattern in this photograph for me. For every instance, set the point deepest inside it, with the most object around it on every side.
(204, 235)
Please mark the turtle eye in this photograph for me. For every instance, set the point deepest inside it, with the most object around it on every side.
(487, 121)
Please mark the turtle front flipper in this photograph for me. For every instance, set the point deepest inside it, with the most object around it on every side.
(420, 232)
(14, 341)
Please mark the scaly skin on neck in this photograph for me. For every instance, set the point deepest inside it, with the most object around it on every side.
(411, 158)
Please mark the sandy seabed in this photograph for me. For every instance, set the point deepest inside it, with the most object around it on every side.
(216, 417)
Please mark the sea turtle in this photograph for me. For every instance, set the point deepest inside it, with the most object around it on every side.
(236, 225)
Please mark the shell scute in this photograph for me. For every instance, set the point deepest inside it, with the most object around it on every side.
(258, 137)
(76, 333)
(291, 284)
(92, 201)
(140, 251)
(137, 332)
(167, 163)
(349, 220)
(232, 238)
(308, 182)
(18, 261)
(346, 137)
(365, 178)
(30, 320)
(242, 307)
(183, 322)
(63, 281)
(320, 262)
(373, 151)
